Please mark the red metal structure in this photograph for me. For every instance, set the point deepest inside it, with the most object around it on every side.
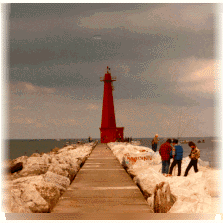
(109, 131)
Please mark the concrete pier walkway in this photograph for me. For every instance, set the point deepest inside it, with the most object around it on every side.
(103, 190)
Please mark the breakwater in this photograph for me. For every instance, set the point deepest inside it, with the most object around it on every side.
(197, 193)
(40, 180)
(43, 179)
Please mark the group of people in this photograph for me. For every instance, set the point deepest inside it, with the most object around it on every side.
(171, 149)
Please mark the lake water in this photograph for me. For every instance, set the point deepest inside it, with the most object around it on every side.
(210, 150)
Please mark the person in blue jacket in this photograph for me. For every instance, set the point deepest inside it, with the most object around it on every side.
(177, 155)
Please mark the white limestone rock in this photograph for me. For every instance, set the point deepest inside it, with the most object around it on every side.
(17, 204)
(33, 199)
(150, 201)
(62, 158)
(33, 166)
(22, 159)
(67, 166)
(184, 206)
(163, 199)
(50, 192)
(196, 203)
(58, 180)
(25, 196)
(156, 158)
(196, 193)
(47, 158)
(192, 195)
(212, 182)
(44, 178)
(58, 170)
(27, 180)
(148, 179)
(72, 171)
(74, 163)
(54, 160)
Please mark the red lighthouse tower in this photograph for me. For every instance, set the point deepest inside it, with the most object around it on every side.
(109, 131)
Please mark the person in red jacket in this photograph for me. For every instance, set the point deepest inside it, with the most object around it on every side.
(164, 152)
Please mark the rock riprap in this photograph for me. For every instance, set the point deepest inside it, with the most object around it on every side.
(34, 184)
(197, 193)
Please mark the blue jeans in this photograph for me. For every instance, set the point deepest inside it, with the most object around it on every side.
(165, 166)
(154, 147)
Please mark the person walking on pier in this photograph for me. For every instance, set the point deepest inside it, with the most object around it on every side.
(194, 156)
(89, 139)
(155, 142)
(177, 154)
(164, 152)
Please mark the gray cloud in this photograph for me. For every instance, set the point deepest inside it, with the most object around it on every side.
(162, 55)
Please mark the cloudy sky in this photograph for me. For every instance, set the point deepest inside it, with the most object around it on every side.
(163, 55)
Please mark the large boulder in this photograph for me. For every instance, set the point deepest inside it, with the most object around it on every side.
(22, 159)
(64, 169)
(17, 204)
(33, 199)
(187, 206)
(163, 199)
(22, 188)
(54, 160)
(74, 163)
(138, 167)
(63, 158)
(56, 179)
(46, 158)
(33, 166)
(184, 187)
(65, 166)
(150, 201)
(27, 180)
(148, 179)
(156, 158)
(58, 170)
(70, 169)
(49, 192)
(196, 203)
(212, 182)
(192, 195)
